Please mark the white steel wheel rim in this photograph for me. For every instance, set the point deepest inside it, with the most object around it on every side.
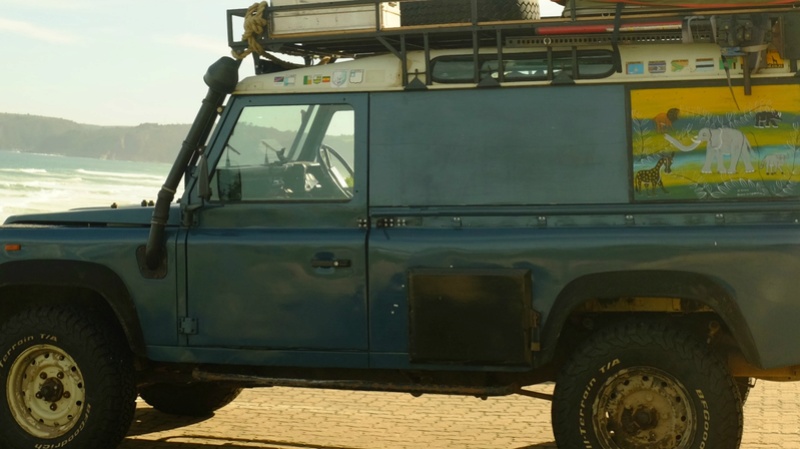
(46, 391)
(641, 408)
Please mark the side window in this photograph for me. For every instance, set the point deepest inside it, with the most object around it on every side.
(591, 64)
(288, 153)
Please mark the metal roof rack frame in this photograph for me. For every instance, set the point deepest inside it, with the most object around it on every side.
(623, 27)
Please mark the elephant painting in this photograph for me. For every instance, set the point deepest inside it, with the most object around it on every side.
(721, 141)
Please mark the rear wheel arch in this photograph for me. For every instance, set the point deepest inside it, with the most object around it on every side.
(694, 288)
(90, 284)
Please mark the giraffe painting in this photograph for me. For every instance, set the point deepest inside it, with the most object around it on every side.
(652, 176)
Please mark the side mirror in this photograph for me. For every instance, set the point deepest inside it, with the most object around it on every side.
(203, 181)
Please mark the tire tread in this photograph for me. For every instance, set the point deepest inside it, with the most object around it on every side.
(112, 362)
(668, 338)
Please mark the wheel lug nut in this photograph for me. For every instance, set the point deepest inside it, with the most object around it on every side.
(43, 375)
(53, 406)
(60, 375)
(38, 395)
(66, 394)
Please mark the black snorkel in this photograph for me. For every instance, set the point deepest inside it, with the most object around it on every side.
(221, 79)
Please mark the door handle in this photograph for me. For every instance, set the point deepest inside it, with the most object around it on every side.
(331, 263)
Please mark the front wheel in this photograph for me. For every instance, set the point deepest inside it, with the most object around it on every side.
(646, 385)
(68, 381)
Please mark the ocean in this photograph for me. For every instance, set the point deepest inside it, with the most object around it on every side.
(32, 183)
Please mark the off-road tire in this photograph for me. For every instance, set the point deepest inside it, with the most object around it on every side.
(67, 380)
(196, 399)
(644, 385)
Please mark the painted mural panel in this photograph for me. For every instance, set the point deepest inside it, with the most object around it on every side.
(708, 143)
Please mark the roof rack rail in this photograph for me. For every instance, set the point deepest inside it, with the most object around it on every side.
(333, 29)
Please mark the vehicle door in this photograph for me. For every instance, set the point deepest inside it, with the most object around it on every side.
(275, 260)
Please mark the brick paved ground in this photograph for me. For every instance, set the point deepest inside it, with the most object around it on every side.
(285, 418)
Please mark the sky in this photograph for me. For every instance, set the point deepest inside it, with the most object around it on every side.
(115, 62)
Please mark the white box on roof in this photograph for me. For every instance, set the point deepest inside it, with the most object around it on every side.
(344, 18)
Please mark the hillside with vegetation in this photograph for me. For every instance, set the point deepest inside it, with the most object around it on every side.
(146, 142)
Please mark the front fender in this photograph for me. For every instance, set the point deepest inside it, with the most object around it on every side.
(95, 277)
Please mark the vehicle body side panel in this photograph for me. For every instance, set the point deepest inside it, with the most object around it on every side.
(492, 146)
(758, 274)
(152, 300)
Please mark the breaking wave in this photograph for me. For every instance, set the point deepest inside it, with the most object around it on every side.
(37, 183)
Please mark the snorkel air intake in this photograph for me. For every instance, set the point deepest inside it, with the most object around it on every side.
(221, 79)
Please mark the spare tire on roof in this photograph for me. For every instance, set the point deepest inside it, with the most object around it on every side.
(593, 7)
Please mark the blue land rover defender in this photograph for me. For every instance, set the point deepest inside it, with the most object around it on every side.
(610, 202)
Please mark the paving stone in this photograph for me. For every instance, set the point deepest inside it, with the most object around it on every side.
(293, 418)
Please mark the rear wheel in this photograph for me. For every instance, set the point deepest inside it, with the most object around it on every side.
(68, 381)
(646, 385)
(197, 399)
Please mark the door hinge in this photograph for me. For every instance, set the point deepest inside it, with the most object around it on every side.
(534, 317)
(187, 326)
(391, 222)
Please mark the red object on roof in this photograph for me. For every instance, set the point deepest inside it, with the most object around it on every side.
(695, 4)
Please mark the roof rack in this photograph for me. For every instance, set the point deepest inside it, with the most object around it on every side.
(334, 29)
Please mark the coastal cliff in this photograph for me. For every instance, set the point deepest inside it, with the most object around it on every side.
(145, 142)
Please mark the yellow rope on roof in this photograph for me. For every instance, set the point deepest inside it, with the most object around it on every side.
(254, 25)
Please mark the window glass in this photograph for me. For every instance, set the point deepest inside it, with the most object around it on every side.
(524, 66)
(288, 153)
